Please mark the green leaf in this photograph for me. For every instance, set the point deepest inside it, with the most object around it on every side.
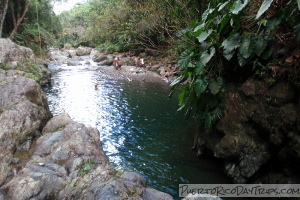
(184, 59)
(263, 8)
(176, 81)
(228, 54)
(200, 27)
(200, 86)
(204, 35)
(215, 85)
(223, 23)
(245, 48)
(273, 23)
(182, 96)
(205, 56)
(239, 6)
(242, 60)
(259, 45)
(223, 5)
(207, 12)
(297, 27)
(268, 51)
(231, 43)
(199, 68)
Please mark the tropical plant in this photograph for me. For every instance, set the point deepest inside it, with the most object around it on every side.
(231, 35)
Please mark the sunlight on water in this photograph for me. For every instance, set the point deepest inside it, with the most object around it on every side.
(139, 127)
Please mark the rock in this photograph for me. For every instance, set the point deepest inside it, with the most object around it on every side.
(24, 112)
(12, 54)
(69, 162)
(280, 94)
(94, 53)
(72, 53)
(72, 63)
(105, 63)
(258, 127)
(99, 58)
(83, 51)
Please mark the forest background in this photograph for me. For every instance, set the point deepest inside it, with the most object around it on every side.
(216, 42)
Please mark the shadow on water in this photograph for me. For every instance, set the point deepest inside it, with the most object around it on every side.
(139, 127)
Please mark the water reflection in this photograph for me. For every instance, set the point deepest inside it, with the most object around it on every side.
(140, 129)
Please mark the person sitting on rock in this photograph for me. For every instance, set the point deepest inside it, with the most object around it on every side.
(148, 66)
(137, 62)
(141, 63)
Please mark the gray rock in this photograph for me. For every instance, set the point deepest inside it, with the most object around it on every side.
(12, 54)
(24, 112)
(70, 163)
(99, 58)
(83, 51)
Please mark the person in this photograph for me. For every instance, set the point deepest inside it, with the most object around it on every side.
(119, 64)
(137, 62)
(115, 62)
(96, 87)
(166, 76)
(148, 66)
(141, 63)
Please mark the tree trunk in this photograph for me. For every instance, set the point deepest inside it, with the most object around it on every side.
(20, 19)
(3, 9)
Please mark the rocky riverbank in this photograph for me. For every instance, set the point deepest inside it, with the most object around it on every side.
(104, 63)
(45, 157)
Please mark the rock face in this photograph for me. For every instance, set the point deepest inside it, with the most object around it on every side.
(259, 129)
(68, 163)
(23, 112)
(13, 56)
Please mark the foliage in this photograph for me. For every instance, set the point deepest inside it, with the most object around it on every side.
(38, 29)
(229, 32)
(33, 70)
(86, 168)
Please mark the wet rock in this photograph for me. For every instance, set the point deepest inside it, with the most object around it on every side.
(105, 63)
(72, 63)
(100, 58)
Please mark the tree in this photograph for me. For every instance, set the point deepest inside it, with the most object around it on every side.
(17, 22)
(3, 10)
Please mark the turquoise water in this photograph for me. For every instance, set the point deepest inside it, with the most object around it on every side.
(139, 127)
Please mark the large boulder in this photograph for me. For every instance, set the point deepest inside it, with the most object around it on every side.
(83, 51)
(23, 113)
(12, 55)
(69, 163)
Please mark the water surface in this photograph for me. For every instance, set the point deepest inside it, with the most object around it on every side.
(139, 127)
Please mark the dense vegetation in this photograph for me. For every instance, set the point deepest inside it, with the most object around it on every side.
(216, 41)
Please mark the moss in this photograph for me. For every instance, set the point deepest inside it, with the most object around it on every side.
(86, 168)
(119, 173)
(4, 67)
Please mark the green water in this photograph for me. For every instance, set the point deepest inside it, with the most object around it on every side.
(140, 128)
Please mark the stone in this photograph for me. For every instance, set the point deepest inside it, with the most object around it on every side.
(69, 162)
(12, 54)
(83, 51)
(99, 58)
